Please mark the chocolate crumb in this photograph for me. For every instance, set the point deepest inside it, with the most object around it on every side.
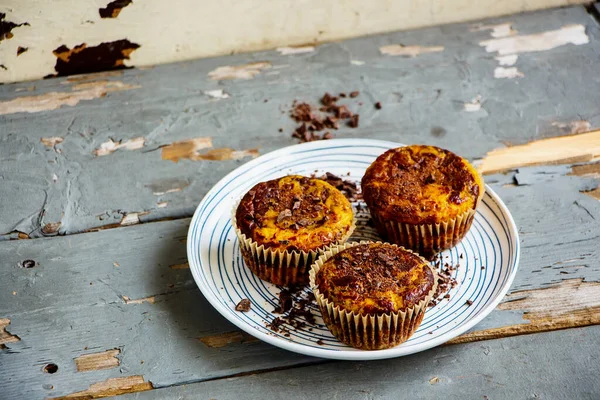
(280, 129)
(469, 302)
(320, 342)
(354, 94)
(461, 256)
(354, 121)
(378, 105)
(342, 94)
(243, 306)
(482, 267)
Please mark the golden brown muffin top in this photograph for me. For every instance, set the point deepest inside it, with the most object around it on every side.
(421, 185)
(375, 278)
(294, 213)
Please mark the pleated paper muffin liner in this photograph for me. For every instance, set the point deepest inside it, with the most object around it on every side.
(426, 239)
(281, 267)
(368, 332)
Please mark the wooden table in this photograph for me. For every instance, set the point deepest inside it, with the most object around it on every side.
(101, 173)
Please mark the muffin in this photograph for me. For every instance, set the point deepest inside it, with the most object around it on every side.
(422, 197)
(284, 224)
(372, 295)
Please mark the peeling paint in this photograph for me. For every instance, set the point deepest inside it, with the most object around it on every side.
(162, 204)
(51, 141)
(507, 60)
(507, 73)
(227, 154)
(408, 51)
(92, 77)
(357, 62)
(186, 149)
(113, 9)
(98, 361)
(227, 338)
(180, 266)
(569, 34)
(5, 336)
(165, 186)
(111, 146)
(570, 149)
(6, 27)
(285, 51)
(51, 228)
(474, 105)
(132, 218)
(83, 59)
(246, 71)
(217, 94)
(149, 299)
(588, 170)
(111, 387)
(574, 127)
(498, 31)
(54, 100)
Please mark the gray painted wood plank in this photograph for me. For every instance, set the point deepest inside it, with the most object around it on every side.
(420, 95)
(556, 365)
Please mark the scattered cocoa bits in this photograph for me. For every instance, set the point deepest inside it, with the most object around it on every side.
(243, 306)
(482, 267)
(285, 302)
(295, 307)
(354, 94)
(348, 188)
(469, 302)
(378, 105)
(445, 281)
(276, 324)
(320, 342)
(327, 117)
(353, 121)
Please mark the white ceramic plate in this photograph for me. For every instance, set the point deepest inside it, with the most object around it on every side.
(220, 273)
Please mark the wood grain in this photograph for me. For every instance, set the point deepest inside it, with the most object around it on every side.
(571, 149)
(110, 387)
(97, 361)
(227, 338)
(570, 304)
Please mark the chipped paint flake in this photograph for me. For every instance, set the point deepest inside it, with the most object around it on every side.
(170, 185)
(227, 338)
(285, 51)
(570, 34)
(408, 51)
(132, 218)
(162, 204)
(508, 60)
(111, 387)
(227, 154)
(98, 361)
(54, 178)
(149, 299)
(217, 94)
(111, 146)
(6, 337)
(186, 149)
(246, 71)
(498, 30)
(51, 141)
(474, 105)
(357, 62)
(55, 100)
(507, 73)
(570, 149)
(574, 127)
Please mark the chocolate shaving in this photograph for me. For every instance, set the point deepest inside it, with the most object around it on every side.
(243, 306)
(354, 94)
(378, 105)
(353, 121)
(284, 214)
(348, 188)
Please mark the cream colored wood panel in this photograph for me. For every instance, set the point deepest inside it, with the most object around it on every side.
(187, 29)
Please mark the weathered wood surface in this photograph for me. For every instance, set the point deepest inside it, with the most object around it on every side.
(557, 365)
(98, 158)
(126, 293)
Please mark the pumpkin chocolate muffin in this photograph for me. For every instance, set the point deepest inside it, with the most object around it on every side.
(422, 197)
(372, 295)
(284, 224)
